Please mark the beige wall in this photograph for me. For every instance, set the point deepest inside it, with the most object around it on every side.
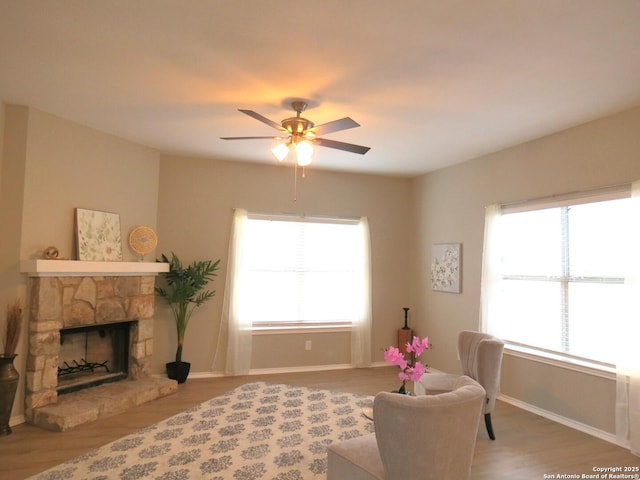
(2, 113)
(49, 167)
(197, 197)
(450, 208)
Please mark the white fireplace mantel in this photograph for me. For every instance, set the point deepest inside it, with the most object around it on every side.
(77, 268)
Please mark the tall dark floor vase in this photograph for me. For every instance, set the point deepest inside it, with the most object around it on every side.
(8, 386)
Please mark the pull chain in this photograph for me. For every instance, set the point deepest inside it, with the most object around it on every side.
(295, 182)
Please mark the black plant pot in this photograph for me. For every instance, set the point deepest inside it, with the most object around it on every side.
(178, 371)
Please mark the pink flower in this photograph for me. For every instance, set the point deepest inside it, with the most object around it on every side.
(393, 356)
(415, 373)
(418, 345)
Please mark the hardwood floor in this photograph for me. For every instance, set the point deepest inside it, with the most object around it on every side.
(527, 446)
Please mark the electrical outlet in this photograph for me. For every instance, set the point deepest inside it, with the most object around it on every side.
(307, 345)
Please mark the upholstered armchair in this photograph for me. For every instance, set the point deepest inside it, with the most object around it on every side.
(481, 358)
(416, 437)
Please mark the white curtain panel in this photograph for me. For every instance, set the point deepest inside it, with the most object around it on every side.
(491, 275)
(361, 328)
(233, 325)
(628, 364)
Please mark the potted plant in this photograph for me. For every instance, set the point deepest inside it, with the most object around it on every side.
(184, 292)
(8, 374)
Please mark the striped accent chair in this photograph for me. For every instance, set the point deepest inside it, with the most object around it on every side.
(481, 359)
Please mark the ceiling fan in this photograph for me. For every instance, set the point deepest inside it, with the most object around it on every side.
(300, 134)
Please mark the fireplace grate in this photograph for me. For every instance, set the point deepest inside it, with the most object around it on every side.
(81, 367)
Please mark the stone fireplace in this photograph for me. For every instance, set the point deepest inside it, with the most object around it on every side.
(76, 307)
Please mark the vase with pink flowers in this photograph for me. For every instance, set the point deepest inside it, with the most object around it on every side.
(410, 369)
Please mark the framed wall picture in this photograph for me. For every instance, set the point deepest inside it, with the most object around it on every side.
(98, 236)
(445, 267)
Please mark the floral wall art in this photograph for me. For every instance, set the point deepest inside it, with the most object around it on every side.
(445, 267)
(98, 236)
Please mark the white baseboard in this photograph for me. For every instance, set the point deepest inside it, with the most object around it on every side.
(309, 368)
(16, 420)
(267, 371)
(568, 422)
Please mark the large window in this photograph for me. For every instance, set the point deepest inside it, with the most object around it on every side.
(559, 270)
(302, 272)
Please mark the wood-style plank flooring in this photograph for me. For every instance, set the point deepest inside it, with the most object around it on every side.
(527, 446)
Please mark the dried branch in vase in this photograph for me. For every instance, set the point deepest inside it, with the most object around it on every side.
(14, 326)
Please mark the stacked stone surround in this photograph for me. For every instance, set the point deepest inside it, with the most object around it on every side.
(62, 302)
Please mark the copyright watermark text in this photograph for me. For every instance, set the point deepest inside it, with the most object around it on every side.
(600, 473)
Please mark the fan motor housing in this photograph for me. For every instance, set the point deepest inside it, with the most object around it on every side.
(297, 125)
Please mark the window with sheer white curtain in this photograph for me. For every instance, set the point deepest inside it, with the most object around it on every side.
(554, 274)
(289, 273)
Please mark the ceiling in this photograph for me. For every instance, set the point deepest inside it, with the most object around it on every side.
(432, 82)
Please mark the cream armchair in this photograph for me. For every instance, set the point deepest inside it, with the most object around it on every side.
(481, 359)
(416, 438)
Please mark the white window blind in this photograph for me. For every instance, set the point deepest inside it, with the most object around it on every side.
(301, 271)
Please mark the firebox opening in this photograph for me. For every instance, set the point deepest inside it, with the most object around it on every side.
(93, 355)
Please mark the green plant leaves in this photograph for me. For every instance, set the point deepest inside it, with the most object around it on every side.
(185, 290)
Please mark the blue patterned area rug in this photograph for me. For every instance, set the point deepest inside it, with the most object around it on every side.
(256, 431)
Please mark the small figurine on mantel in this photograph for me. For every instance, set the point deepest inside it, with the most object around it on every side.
(405, 334)
(52, 253)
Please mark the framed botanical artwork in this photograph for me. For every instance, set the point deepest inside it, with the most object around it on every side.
(445, 267)
(98, 236)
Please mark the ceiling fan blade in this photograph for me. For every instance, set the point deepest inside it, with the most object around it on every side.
(253, 138)
(349, 147)
(262, 119)
(335, 126)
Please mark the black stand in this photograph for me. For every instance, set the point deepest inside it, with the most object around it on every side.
(404, 334)
(406, 313)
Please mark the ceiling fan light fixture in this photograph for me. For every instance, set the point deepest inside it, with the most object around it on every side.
(304, 151)
(301, 134)
(280, 151)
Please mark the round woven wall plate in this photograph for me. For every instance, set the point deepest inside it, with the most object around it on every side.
(143, 240)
